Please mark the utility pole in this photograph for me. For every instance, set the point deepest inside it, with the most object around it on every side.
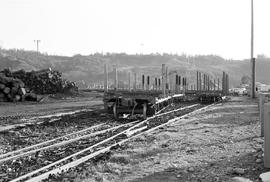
(252, 59)
(37, 42)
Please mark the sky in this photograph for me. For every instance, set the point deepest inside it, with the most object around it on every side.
(68, 27)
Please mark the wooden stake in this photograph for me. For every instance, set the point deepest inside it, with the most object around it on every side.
(197, 81)
(200, 81)
(135, 81)
(148, 82)
(115, 78)
(105, 78)
(218, 84)
(267, 135)
(163, 77)
(129, 81)
(143, 82)
(203, 81)
(262, 100)
(176, 83)
(223, 83)
(159, 83)
(166, 80)
(227, 84)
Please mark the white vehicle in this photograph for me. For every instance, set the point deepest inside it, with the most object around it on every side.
(239, 91)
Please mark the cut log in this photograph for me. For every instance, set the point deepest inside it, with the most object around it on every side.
(21, 85)
(2, 95)
(31, 97)
(21, 91)
(14, 90)
(45, 81)
(23, 98)
(2, 86)
(9, 96)
(7, 90)
(3, 80)
(17, 98)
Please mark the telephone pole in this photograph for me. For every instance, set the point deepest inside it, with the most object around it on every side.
(252, 59)
(37, 42)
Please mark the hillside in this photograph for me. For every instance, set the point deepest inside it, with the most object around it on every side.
(89, 69)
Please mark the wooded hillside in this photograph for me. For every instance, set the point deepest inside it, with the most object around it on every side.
(89, 69)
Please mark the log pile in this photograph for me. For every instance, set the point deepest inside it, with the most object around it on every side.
(21, 85)
(13, 90)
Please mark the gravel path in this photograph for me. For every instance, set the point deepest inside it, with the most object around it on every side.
(216, 145)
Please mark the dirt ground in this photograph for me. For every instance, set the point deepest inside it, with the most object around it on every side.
(14, 114)
(217, 144)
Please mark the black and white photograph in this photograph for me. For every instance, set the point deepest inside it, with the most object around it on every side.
(134, 91)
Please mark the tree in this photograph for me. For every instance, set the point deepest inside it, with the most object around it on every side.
(245, 79)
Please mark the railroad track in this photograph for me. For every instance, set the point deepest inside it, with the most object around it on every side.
(42, 161)
(23, 120)
(60, 141)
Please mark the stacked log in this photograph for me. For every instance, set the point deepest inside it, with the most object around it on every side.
(45, 81)
(12, 89)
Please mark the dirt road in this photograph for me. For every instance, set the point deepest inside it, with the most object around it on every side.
(15, 114)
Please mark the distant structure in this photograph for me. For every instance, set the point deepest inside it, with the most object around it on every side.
(37, 42)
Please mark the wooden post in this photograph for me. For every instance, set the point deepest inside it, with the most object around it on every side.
(223, 83)
(135, 81)
(115, 78)
(267, 135)
(129, 81)
(176, 83)
(148, 83)
(200, 81)
(262, 100)
(105, 78)
(218, 85)
(179, 83)
(205, 84)
(143, 83)
(163, 72)
(171, 82)
(159, 83)
(197, 81)
(186, 84)
(155, 84)
(208, 82)
(183, 83)
(203, 81)
(214, 84)
(211, 84)
(166, 80)
(227, 84)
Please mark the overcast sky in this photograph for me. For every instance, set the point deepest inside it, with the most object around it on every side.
(68, 27)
